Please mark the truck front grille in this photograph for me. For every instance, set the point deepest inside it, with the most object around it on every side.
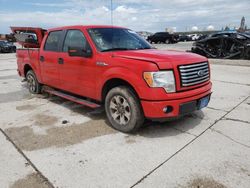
(194, 74)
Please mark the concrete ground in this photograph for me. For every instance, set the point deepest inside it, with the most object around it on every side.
(51, 142)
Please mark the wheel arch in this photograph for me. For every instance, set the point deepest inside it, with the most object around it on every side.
(27, 68)
(115, 82)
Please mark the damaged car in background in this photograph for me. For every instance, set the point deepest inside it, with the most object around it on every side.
(7, 47)
(224, 45)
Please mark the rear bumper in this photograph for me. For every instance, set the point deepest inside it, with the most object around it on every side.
(154, 109)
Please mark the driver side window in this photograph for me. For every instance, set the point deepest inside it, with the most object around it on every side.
(74, 38)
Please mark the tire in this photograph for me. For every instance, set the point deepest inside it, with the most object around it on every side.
(34, 86)
(124, 110)
(167, 41)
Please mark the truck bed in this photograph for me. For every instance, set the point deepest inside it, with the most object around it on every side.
(24, 56)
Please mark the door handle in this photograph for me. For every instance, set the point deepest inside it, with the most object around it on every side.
(60, 60)
(42, 58)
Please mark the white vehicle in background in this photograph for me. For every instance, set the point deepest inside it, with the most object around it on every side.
(194, 37)
(144, 34)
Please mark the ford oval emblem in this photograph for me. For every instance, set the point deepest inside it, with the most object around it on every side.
(201, 73)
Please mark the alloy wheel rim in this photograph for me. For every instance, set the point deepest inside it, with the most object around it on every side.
(31, 83)
(120, 109)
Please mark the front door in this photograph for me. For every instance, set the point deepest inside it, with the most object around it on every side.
(77, 73)
(48, 59)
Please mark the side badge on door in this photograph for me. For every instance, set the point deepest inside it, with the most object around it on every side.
(102, 64)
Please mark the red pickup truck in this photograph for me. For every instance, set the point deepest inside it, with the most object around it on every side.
(114, 67)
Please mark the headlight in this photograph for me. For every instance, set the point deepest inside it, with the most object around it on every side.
(164, 79)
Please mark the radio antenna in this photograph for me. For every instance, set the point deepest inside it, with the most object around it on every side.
(111, 13)
(111, 17)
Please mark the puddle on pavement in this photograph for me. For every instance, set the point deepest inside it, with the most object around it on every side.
(33, 180)
(27, 107)
(44, 120)
(27, 140)
(204, 183)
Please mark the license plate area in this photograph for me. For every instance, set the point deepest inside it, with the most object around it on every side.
(203, 102)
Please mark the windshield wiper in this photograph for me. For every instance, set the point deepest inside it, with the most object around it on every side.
(144, 48)
(115, 49)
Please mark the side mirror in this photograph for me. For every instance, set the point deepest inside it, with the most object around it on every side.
(80, 52)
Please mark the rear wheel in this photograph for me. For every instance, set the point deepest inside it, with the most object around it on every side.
(33, 85)
(123, 109)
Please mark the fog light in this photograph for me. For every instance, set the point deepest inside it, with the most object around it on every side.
(167, 109)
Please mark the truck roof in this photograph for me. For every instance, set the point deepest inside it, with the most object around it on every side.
(83, 26)
(22, 34)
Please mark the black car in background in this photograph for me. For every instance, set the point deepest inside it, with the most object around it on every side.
(163, 37)
(184, 38)
(7, 47)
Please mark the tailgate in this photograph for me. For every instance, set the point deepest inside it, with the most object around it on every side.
(29, 37)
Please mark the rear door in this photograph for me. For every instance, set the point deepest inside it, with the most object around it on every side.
(49, 58)
(77, 74)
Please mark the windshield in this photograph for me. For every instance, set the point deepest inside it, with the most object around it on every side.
(111, 39)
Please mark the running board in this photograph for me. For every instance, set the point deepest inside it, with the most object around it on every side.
(72, 98)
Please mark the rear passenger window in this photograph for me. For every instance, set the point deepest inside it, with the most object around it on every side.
(52, 42)
(74, 38)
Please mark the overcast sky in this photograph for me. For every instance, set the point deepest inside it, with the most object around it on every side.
(149, 15)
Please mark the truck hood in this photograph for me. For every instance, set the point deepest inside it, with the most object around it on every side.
(165, 59)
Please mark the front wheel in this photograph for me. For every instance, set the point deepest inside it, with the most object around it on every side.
(33, 84)
(123, 109)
